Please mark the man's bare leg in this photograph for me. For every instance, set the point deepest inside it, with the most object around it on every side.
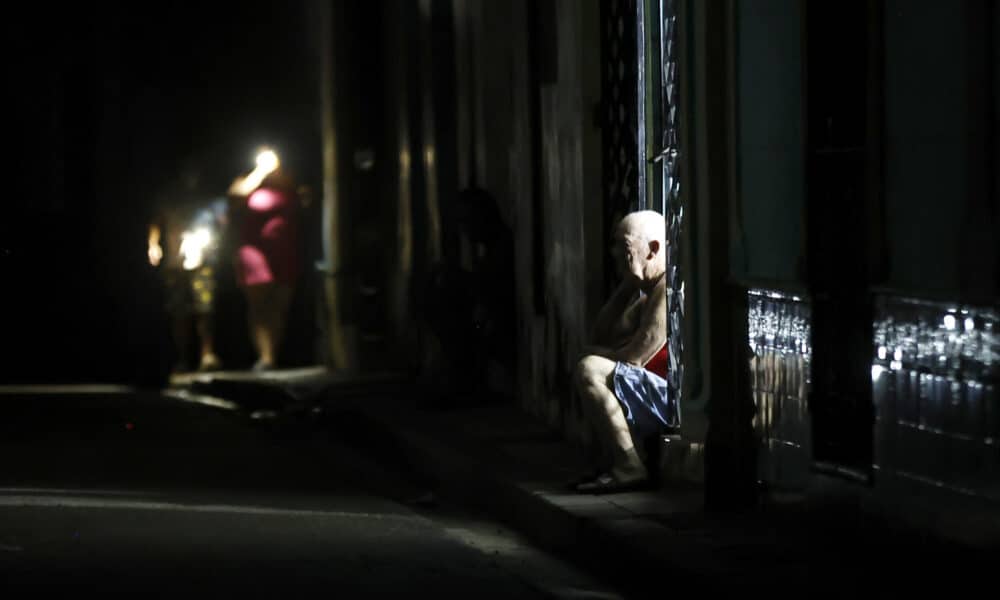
(599, 456)
(594, 381)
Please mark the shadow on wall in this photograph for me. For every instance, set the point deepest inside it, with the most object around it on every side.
(466, 304)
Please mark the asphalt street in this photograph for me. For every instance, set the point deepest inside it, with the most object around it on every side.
(113, 491)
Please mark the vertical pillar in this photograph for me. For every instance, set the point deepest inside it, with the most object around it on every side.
(730, 458)
(337, 347)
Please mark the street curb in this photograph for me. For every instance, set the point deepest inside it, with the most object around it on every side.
(606, 547)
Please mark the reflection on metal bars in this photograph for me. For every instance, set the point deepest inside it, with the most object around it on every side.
(935, 374)
(673, 207)
(641, 20)
(779, 329)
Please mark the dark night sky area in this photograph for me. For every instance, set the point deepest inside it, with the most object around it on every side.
(109, 102)
(214, 82)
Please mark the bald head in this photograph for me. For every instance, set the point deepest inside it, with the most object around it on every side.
(640, 239)
(644, 226)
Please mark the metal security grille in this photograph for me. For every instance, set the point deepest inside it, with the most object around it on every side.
(670, 188)
(619, 74)
(641, 131)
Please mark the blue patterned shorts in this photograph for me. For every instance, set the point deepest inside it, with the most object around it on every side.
(643, 397)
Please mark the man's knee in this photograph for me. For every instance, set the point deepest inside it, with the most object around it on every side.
(582, 372)
(592, 370)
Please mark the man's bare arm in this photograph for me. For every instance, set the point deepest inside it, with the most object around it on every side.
(651, 334)
(612, 310)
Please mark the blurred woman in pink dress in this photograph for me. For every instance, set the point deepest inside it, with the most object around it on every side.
(268, 262)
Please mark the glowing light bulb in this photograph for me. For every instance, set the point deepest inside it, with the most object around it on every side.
(267, 160)
(193, 245)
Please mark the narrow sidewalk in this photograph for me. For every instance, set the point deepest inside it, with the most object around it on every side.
(500, 460)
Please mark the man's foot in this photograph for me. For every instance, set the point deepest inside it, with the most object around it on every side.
(607, 483)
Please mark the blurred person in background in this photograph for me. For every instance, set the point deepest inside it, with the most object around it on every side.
(265, 207)
(184, 245)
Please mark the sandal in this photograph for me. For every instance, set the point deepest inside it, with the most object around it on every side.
(607, 484)
(591, 476)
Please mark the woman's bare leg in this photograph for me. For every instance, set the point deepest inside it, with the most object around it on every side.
(280, 300)
(259, 318)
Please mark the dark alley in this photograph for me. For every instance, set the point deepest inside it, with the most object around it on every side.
(501, 298)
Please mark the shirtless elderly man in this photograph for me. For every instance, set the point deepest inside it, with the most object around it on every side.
(621, 379)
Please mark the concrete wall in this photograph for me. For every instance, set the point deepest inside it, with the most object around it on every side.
(499, 112)
(572, 200)
(459, 108)
(769, 140)
(942, 222)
